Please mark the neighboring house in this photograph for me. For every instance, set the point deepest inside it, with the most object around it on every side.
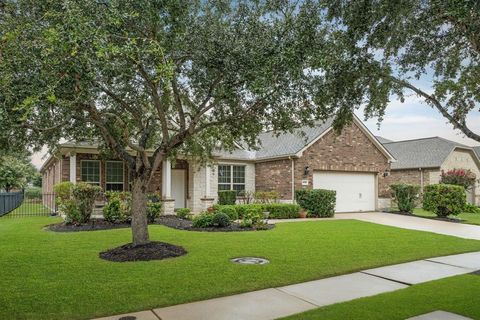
(354, 163)
(421, 161)
(477, 151)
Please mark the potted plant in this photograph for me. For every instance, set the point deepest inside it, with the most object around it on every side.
(303, 214)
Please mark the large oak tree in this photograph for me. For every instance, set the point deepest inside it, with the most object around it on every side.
(163, 75)
(398, 42)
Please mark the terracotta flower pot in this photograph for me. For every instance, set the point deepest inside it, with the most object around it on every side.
(303, 214)
(210, 209)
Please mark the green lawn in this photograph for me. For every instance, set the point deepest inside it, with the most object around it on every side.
(456, 294)
(29, 208)
(48, 275)
(470, 218)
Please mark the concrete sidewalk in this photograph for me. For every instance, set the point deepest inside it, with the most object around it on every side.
(460, 230)
(283, 301)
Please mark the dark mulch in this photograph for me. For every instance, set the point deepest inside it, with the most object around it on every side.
(183, 224)
(93, 225)
(151, 251)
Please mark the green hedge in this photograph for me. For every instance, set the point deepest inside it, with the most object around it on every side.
(318, 202)
(444, 199)
(405, 196)
(226, 197)
(276, 210)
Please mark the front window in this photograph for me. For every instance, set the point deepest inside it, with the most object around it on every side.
(114, 176)
(231, 177)
(91, 171)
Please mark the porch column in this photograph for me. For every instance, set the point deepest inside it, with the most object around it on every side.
(167, 179)
(167, 201)
(208, 173)
(207, 200)
(73, 167)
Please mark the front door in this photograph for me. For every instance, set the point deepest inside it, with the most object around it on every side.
(178, 187)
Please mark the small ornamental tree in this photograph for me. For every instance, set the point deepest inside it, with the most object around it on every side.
(148, 80)
(15, 172)
(405, 196)
(459, 177)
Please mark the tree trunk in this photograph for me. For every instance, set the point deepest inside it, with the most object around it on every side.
(139, 211)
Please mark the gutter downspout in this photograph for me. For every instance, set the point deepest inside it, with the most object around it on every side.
(421, 180)
(293, 178)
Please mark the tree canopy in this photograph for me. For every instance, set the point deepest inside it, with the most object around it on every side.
(16, 172)
(398, 42)
(168, 76)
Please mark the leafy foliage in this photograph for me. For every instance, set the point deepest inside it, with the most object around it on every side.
(153, 211)
(220, 220)
(227, 197)
(63, 191)
(444, 199)
(118, 208)
(229, 210)
(84, 195)
(471, 208)
(184, 213)
(15, 173)
(384, 47)
(405, 196)
(203, 220)
(318, 202)
(266, 196)
(154, 76)
(459, 177)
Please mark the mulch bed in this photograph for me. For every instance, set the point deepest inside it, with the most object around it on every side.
(154, 250)
(183, 224)
(169, 221)
(93, 225)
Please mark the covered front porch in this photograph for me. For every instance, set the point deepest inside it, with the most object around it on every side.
(181, 183)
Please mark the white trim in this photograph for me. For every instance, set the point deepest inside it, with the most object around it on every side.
(208, 174)
(73, 168)
(99, 171)
(166, 179)
(231, 165)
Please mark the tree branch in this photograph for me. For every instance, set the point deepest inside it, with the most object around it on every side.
(461, 125)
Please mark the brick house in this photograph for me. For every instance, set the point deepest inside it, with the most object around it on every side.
(354, 163)
(421, 161)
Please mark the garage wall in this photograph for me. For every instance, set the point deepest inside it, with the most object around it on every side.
(275, 175)
(350, 151)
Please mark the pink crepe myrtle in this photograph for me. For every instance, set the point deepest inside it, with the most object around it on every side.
(462, 177)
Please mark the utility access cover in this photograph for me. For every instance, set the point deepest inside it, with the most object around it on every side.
(250, 260)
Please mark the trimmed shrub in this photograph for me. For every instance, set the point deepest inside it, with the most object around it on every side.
(183, 213)
(203, 220)
(444, 199)
(227, 197)
(220, 220)
(118, 207)
(283, 210)
(63, 191)
(72, 214)
(153, 211)
(84, 195)
(266, 196)
(405, 196)
(318, 202)
(230, 211)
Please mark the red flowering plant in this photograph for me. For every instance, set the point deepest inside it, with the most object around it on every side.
(459, 177)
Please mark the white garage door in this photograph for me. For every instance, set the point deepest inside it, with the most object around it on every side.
(355, 191)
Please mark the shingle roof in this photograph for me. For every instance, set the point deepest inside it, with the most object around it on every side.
(285, 144)
(383, 140)
(421, 153)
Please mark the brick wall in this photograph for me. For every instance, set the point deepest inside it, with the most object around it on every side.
(351, 150)
(275, 175)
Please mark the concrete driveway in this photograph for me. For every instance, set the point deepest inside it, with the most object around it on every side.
(460, 230)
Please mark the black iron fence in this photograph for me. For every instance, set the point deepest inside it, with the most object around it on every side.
(20, 204)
